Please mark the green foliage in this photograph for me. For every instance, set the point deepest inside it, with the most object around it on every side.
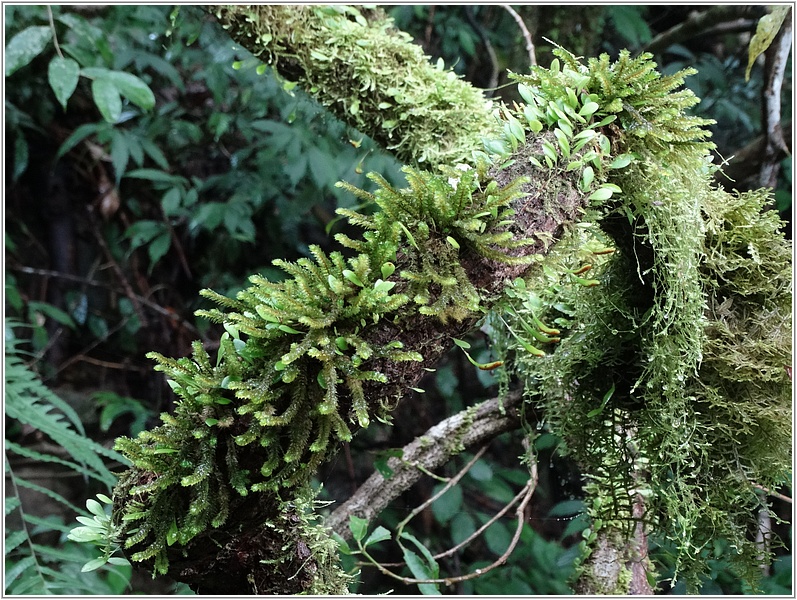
(100, 530)
(288, 347)
(63, 73)
(34, 566)
(658, 384)
(440, 216)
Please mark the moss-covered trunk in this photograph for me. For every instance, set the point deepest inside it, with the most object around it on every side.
(219, 496)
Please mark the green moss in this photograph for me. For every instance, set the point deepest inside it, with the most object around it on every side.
(286, 385)
(686, 339)
(368, 74)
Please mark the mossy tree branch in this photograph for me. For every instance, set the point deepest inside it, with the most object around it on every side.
(336, 344)
(368, 74)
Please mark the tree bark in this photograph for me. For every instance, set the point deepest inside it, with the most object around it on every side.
(431, 450)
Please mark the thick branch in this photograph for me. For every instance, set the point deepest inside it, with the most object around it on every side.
(407, 105)
(429, 451)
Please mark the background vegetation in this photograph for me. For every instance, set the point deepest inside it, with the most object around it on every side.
(118, 214)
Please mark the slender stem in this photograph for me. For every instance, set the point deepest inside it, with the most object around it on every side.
(55, 37)
(524, 30)
(451, 483)
(526, 493)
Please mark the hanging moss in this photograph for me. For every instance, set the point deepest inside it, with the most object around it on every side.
(684, 342)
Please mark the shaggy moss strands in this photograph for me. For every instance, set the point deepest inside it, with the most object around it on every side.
(369, 75)
(680, 351)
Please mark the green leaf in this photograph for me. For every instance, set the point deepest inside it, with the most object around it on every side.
(767, 29)
(155, 175)
(77, 136)
(497, 538)
(63, 75)
(587, 175)
(380, 534)
(481, 471)
(52, 312)
(107, 99)
(420, 570)
(128, 85)
(384, 286)
(588, 109)
(621, 161)
(120, 155)
(601, 194)
(93, 565)
(343, 545)
(461, 343)
(387, 269)
(288, 329)
(95, 508)
(352, 276)
(447, 505)
(25, 46)
(358, 527)
(21, 156)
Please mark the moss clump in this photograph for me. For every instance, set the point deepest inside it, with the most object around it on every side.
(686, 339)
(368, 74)
(287, 384)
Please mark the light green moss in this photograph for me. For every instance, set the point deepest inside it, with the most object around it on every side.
(686, 339)
(369, 75)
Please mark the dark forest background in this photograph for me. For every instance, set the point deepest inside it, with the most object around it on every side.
(112, 226)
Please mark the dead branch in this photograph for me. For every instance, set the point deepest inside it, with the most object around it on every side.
(430, 450)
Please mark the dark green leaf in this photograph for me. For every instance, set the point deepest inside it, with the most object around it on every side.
(25, 46)
(77, 136)
(481, 471)
(128, 85)
(497, 538)
(358, 527)
(447, 505)
(52, 312)
(420, 570)
(63, 75)
(107, 99)
(158, 247)
(462, 526)
(155, 175)
(20, 156)
(379, 534)
(119, 153)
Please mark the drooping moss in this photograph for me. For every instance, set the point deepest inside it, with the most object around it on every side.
(686, 340)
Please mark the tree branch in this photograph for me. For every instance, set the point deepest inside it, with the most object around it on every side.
(697, 24)
(431, 450)
(776, 57)
(409, 106)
